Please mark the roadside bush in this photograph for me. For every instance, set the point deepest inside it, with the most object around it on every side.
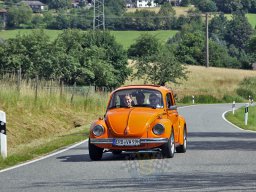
(206, 99)
(200, 99)
(186, 99)
(247, 88)
(230, 99)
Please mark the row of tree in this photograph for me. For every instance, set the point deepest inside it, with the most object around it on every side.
(21, 16)
(116, 16)
(91, 58)
(225, 6)
(232, 43)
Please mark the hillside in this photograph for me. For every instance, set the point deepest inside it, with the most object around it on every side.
(207, 81)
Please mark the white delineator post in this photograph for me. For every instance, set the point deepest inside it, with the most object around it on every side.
(193, 99)
(246, 113)
(3, 137)
(233, 107)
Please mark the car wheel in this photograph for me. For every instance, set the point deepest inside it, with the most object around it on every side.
(95, 152)
(183, 148)
(168, 149)
(116, 152)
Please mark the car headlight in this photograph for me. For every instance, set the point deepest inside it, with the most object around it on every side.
(158, 129)
(98, 130)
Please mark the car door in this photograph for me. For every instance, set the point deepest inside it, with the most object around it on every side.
(172, 114)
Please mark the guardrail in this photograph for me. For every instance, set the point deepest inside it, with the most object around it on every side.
(3, 137)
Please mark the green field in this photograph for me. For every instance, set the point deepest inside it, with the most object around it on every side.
(238, 118)
(125, 38)
(252, 19)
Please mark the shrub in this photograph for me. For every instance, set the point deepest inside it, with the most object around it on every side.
(230, 99)
(247, 88)
(200, 99)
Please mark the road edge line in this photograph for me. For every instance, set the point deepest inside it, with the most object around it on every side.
(44, 157)
(224, 118)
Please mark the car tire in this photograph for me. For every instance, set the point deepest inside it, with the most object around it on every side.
(116, 152)
(95, 152)
(168, 149)
(183, 148)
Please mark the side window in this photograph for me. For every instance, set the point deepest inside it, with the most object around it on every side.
(169, 100)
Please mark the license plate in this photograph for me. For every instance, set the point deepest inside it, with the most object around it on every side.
(126, 142)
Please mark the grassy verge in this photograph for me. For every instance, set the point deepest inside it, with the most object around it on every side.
(238, 118)
(37, 127)
(47, 145)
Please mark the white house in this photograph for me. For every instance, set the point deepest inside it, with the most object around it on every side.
(146, 3)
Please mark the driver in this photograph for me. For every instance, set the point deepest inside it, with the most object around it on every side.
(128, 100)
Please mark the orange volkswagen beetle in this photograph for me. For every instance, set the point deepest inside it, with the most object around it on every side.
(139, 117)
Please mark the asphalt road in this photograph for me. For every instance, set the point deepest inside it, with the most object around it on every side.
(220, 157)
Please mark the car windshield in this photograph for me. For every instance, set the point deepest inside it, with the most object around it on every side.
(136, 98)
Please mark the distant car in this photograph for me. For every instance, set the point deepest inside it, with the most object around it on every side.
(139, 117)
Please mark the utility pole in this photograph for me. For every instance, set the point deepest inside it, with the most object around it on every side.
(99, 15)
(207, 40)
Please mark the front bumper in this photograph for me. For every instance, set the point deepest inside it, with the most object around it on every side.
(142, 140)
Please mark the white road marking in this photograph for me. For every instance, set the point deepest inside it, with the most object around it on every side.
(44, 157)
(223, 116)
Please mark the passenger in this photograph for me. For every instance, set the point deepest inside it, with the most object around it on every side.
(140, 97)
(154, 100)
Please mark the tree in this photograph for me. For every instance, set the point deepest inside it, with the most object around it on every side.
(239, 30)
(218, 27)
(185, 3)
(59, 4)
(190, 48)
(116, 7)
(160, 68)
(90, 58)
(145, 46)
(219, 56)
(154, 62)
(167, 15)
(207, 6)
(229, 6)
(30, 52)
(18, 15)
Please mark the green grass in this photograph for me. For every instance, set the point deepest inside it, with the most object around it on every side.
(238, 118)
(252, 19)
(7, 34)
(125, 38)
(31, 152)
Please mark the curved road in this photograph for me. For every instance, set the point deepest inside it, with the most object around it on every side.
(220, 157)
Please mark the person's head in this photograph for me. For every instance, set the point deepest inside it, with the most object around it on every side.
(140, 98)
(128, 100)
(153, 99)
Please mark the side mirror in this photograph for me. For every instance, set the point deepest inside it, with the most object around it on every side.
(173, 107)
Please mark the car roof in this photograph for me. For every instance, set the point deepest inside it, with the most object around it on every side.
(155, 87)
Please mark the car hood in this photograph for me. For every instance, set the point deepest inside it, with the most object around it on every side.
(130, 122)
